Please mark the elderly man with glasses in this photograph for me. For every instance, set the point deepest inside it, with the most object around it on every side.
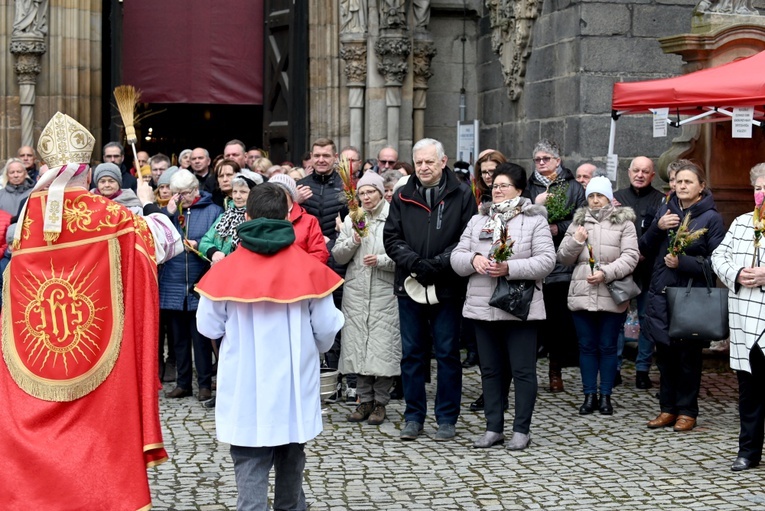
(386, 158)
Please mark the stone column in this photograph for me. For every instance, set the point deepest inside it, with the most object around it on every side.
(30, 27)
(392, 52)
(354, 53)
(424, 51)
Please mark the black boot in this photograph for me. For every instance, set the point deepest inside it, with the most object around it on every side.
(477, 405)
(605, 406)
(471, 359)
(589, 404)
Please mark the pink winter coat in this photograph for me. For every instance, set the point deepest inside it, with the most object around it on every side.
(615, 247)
(533, 259)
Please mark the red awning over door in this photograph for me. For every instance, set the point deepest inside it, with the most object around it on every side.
(194, 51)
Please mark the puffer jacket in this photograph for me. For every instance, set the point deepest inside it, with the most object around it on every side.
(308, 235)
(615, 249)
(655, 243)
(371, 342)
(415, 231)
(533, 259)
(326, 201)
(12, 196)
(178, 275)
(576, 200)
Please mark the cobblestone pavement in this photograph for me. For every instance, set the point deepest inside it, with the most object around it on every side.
(574, 462)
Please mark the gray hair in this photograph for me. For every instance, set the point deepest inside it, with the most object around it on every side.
(757, 172)
(351, 148)
(114, 144)
(183, 180)
(546, 146)
(184, 153)
(676, 165)
(4, 177)
(158, 158)
(236, 142)
(391, 177)
(427, 142)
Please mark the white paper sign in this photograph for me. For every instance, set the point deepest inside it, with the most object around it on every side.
(467, 141)
(612, 163)
(660, 122)
(742, 121)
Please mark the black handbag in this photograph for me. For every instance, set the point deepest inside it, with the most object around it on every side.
(698, 313)
(623, 290)
(513, 296)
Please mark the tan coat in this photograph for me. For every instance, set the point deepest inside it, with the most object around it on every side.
(533, 259)
(615, 247)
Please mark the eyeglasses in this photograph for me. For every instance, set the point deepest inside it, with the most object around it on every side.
(187, 193)
(542, 159)
(387, 162)
(501, 186)
(367, 194)
(485, 173)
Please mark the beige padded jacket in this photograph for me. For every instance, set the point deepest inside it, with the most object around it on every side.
(615, 246)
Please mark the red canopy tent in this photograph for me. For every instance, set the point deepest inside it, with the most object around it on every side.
(706, 96)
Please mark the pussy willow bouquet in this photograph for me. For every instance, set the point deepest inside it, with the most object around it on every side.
(185, 233)
(683, 237)
(758, 219)
(358, 217)
(502, 249)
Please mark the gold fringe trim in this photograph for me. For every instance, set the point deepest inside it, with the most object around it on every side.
(266, 298)
(69, 390)
(50, 236)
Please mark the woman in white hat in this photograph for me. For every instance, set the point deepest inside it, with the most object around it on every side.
(602, 242)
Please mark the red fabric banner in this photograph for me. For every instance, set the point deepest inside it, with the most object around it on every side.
(194, 51)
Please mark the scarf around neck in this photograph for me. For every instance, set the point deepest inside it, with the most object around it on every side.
(546, 180)
(499, 215)
(266, 236)
(230, 220)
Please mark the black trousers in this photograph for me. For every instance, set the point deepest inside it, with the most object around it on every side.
(680, 367)
(187, 339)
(751, 407)
(557, 332)
(502, 345)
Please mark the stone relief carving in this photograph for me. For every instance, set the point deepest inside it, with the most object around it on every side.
(740, 7)
(392, 53)
(424, 51)
(392, 14)
(31, 18)
(421, 10)
(355, 56)
(512, 23)
(353, 16)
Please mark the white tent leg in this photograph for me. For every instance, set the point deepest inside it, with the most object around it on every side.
(612, 137)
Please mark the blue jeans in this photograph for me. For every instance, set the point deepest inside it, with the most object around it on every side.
(597, 332)
(645, 345)
(443, 322)
(251, 468)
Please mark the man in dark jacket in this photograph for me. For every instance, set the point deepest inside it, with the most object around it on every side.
(114, 152)
(554, 186)
(427, 217)
(645, 200)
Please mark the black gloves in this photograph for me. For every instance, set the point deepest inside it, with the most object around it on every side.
(425, 271)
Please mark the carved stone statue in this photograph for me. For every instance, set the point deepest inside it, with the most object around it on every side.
(353, 16)
(31, 18)
(421, 9)
(512, 23)
(392, 13)
(740, 7)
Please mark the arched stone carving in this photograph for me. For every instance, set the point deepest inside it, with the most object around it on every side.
(512, 23)
(740, 7)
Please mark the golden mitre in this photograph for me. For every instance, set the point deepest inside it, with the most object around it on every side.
(65, 141)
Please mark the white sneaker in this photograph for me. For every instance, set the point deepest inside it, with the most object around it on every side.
(350, 395)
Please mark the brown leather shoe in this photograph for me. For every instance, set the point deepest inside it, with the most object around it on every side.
(204, 394)
(685, 423)
(362, 412)
(663, 420)
(178, 392)
(377, 416)
(556, 381)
